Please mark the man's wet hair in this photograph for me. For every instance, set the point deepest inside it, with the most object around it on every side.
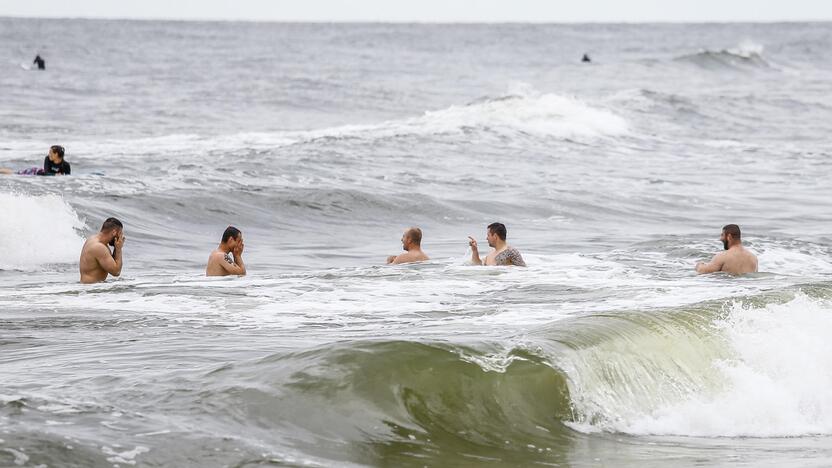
(732, 229)
(230, 232)
(111, 223)
(415, 235)
(59, 150)
(499, 229)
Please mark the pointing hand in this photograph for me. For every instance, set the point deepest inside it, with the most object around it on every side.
(472, 242)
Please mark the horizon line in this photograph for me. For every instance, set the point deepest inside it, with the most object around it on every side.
(412, 22)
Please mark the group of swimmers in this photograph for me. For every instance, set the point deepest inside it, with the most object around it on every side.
(97, 260)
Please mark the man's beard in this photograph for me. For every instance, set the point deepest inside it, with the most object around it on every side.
(725, 244)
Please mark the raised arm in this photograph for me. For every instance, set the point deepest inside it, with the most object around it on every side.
(238, 267)
(713, 266)
(111, 263)
(475, 253)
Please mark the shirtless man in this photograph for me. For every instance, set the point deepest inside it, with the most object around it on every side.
(503, 254)
(96, 259)
(735, 260)
(412, 244)
(221, 262)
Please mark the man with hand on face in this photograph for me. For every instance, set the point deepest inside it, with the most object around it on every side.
(221, 262)
(503, 254)
(735, 260)
(96, 259)
(412, 244)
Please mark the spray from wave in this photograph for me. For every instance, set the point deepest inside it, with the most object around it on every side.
(745, 55)
(37, 231)
(760, 370)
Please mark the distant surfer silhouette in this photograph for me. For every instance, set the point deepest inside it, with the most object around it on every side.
(586, 59)
(41, 63)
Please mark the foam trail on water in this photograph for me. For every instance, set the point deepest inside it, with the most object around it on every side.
(36, 231)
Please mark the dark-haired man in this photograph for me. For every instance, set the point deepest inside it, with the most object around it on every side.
(221, 262)
(96, 259)
(412, 244)
(503, 254)
(736, 259)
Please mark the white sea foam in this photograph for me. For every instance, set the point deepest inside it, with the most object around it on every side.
(37, 230)
(772, 381)
(526, 111)
(797, 260)
(521, 111)
(747, 49)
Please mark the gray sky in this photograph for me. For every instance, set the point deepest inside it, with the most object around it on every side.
(431, 10)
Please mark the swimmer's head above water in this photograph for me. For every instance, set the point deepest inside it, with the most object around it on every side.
(231, 236)
(412, 239)
(56, 154)
(496, 231)
(731, 235)
(110, 230)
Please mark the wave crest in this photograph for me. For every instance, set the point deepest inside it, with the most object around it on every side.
(745, 55)
(37, 231)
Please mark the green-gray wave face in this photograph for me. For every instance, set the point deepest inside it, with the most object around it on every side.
(672, 372)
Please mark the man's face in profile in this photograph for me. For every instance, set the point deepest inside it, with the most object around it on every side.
(724, 239)
(490, 237)
(404, 241)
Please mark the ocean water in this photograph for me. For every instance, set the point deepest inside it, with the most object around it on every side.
(322, 143)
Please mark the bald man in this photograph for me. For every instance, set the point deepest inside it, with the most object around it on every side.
(412, 244)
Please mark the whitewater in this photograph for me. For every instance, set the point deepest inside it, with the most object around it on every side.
(322, 143)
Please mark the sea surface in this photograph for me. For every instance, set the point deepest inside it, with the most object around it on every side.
(322, 143)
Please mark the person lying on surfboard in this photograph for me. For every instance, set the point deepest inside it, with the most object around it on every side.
(53, 164)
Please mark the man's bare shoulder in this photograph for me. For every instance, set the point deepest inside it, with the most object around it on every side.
(94, 247)
(410, 257)
(721, 256)
(216, 256)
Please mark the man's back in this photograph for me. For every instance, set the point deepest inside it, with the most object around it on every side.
(505, 257)
(738, 261)
(411, 256)
(91, 271)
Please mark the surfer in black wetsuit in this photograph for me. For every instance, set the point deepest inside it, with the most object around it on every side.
(53, 164)
(41, 63)
(586, 59)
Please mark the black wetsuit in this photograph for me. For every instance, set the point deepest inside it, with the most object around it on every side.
(40, 63)
(50, 168)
